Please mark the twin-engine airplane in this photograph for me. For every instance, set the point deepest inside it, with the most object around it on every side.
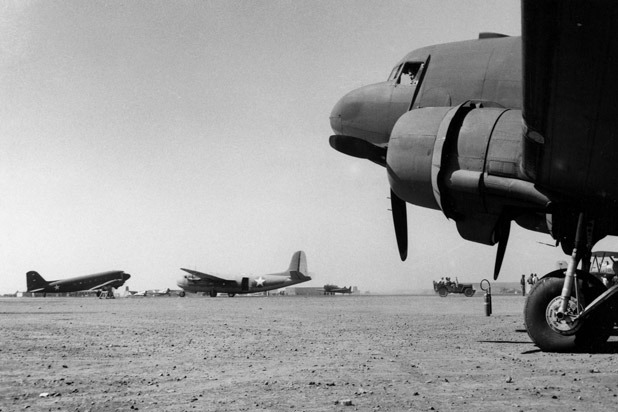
(202, 282)
(332, 289)
(99, 282)
(505, 129)
(156, 292)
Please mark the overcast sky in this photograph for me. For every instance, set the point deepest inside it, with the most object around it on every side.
(148, 136)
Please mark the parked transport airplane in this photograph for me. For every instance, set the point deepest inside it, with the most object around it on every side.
(504, 129)
(202, 282)
(98, 282)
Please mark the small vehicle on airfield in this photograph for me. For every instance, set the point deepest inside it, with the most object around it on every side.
(445, 286)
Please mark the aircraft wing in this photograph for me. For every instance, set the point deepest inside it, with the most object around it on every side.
(205, 276)
(103, 285)
(570, 92)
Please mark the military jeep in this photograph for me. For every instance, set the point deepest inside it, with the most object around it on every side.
(444, 287)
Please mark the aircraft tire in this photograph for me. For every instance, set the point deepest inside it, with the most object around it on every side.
(181, 294)
(213, 293)
(443, 292)
(592, 334)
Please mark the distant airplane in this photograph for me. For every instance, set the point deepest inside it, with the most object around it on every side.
(202, 282)
(155, 292)
(332, 289)
(504, 129)
(98, 282)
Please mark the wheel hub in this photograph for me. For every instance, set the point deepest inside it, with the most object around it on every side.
(565, 323)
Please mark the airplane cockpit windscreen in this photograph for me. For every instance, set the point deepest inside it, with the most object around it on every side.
(394, 72)
(409, 73)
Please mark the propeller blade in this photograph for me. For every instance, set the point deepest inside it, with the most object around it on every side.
(355, 147)
(503, 230)
(400, 220)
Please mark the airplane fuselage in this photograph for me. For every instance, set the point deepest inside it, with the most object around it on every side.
(196, 281)
(446, 75)
(241, 285)
(111, 279)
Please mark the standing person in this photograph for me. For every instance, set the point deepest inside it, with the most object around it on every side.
(523, 285)
(530, 281)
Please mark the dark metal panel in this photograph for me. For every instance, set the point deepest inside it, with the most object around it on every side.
(570, 55)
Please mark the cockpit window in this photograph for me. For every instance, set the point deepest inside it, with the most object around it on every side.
(394, 73)
(409, 73)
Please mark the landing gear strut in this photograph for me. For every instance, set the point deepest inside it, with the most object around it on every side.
(556, 314)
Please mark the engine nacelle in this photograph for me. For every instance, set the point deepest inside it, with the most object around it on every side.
(410, 155)
(464, 160)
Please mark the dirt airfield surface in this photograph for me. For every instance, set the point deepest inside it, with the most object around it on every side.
(341, 353)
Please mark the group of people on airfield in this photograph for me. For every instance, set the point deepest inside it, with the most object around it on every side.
(608, 279)
(448, 281)
(532, 279)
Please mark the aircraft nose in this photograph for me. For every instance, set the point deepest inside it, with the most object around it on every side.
(335, 116)
(346, 112)
(181, 283)
(364, 114)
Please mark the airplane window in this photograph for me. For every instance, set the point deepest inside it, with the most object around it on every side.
(394, 72)
(409, 73)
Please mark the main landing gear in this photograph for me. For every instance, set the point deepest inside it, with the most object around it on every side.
(554, 330)
(571, 311)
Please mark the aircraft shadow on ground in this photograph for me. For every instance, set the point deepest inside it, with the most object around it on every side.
(610, 348)
(512, 342)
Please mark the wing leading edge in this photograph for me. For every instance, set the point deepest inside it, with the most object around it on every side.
(205, 276)
(103, 285)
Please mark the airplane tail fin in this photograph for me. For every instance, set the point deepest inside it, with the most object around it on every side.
(298, 266)
(35, 281)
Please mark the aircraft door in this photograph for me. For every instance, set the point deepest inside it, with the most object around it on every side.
(244, 285)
